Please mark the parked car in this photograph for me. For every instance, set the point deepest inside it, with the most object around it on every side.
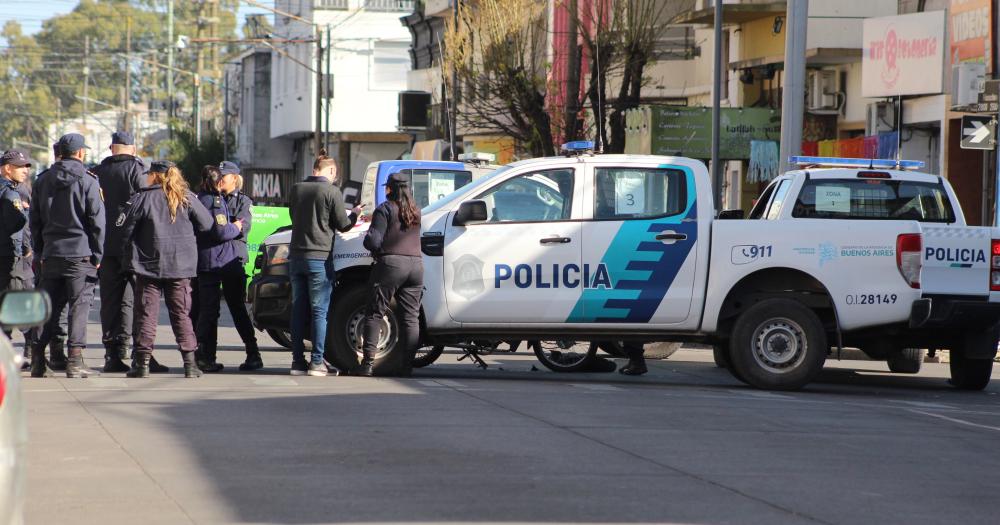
(18, 309)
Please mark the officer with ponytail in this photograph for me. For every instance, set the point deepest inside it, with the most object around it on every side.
(394, 240)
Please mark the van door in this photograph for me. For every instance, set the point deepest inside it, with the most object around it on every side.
(643, 235)
(523, 264)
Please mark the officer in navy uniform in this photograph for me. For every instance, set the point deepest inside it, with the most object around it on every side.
(23, 275)
(14, 167)
(67, 230)
(120, 175)
(222, 254)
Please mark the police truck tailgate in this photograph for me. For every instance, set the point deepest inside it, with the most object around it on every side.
(956, 260)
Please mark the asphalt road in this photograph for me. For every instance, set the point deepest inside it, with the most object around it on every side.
(684, 444)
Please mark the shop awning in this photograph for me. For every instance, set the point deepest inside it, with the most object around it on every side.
(820, 56)
(732, 13)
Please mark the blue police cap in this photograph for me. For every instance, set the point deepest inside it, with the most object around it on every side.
(160, 166)
(123, 137)
(14, 158)
(228, 168)
(71, 143)
(397, 178)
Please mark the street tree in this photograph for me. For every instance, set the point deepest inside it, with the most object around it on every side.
(28, 103)
(498, 54)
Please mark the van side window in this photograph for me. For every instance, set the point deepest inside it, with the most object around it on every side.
(638, 193)
(533, 197)
(780, 193)
(368, 188)
(760, 205)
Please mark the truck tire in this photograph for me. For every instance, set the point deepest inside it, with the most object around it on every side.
(344, 334)
(427, 355)
(969, 374)
(564, 356)
(720, 354)
(661, 350)
(907, 361)
(281, 337)
(777, 344)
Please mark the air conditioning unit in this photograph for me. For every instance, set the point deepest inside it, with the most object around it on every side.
(967, 81)
(881, 116)
(823, 91)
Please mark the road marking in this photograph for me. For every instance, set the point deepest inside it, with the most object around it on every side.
(429, 383)
(953, 420)
(761, 395)
(595, 386)
(924, 404)
(449, 382)
(272, 381)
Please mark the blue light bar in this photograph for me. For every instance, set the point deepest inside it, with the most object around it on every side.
(857, 163)
(578, 146)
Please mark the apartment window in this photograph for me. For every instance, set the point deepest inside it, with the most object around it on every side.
(401, 6)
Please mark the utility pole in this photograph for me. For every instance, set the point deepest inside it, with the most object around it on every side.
(170, 66)
(454, 90)
(225, 117)
(127, 103)
(717, 109)
(793, 97)
(319, 91)
(329, 86)
(86, 80)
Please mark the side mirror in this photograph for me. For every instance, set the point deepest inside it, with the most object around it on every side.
(24, 308)
(470, 212)
(731, 215)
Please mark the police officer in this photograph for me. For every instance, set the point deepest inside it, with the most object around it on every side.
(636, 360)
(222, 254)
(67, 230)
(23, 275)
(394, 240)
(13, 217)
(120, 175)
(57, 346)
(159, 230)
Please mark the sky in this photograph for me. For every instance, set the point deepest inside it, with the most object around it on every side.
(31, 13)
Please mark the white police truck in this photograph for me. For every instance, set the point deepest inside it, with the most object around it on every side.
(627, 247)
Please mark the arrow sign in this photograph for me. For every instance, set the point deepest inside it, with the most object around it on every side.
(978, 132)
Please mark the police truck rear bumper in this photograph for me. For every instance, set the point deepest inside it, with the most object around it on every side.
(950, 312)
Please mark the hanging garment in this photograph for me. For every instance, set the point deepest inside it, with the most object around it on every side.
(763, 161)
(887, 144)
(852, 148)
(810, 148)
(871, 147)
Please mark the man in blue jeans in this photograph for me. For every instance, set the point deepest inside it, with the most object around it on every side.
(317, 209)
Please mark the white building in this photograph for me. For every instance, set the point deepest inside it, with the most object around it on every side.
(98, 127)
(367, 68)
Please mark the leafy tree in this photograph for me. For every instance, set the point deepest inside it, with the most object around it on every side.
(190, 157)
(28, 104)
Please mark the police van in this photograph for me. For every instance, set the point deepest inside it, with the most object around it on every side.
(269, 292)
(591, 247)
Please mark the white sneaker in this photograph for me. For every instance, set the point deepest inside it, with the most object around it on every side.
(317, 370)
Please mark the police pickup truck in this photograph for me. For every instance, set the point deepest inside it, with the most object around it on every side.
(611, 247)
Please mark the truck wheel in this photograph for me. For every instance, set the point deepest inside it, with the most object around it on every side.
(661, 350)
(777, 344)
(907, 361)
(970, 374)
(427, 355)
(281, 337)
(345, 326)
(564, 356)
(720, 354)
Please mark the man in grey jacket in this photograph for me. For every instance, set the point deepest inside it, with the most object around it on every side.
(67, 230)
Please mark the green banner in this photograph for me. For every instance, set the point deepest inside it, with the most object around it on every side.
(687, 131)
(266, 219)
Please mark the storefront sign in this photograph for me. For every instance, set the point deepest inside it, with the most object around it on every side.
(903, 55)
(687, 131)
(268, 186)
(970, 32)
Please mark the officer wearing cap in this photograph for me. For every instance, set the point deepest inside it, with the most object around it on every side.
(222, 254)
(67, 230)
(120, 176)
(13, 216)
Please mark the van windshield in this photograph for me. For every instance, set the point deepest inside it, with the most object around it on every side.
(465, 190)
(430, 186)
(873, 199)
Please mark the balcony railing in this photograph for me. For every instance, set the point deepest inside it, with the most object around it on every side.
(332, 4)
(401, 6)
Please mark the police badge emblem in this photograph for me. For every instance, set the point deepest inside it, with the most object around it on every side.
(220, 219)
(468, 276)
(121, 220)
(18, 205)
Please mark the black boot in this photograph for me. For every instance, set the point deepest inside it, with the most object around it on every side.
(366, 368)
(27, 357)
(57, 355)
(190, 366)
(75, 366)
(39, 368)
(155, 366)
(253, 362)
(114, 355)
(140, 365)
(205, 358)
(636, 361)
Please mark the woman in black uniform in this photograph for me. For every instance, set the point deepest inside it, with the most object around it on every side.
(394, 240)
